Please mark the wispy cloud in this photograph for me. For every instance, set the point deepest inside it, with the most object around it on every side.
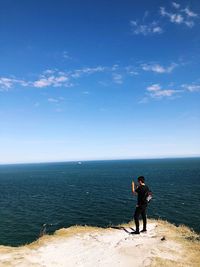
(52, 78)
(175, 18)
(144, 100)
(190, 13)
(56, 102)
(54, 81)
(115, 67)
(117, 74)
(45, 80)
(85, 92)
(179, 15)
(176, 14)
(192, 87)
(117, 78)
(48, 71)
(7, 83)
(145, 29)
(66, 55)
(130, 70)
(157, 92)
(86, 71)
(55, 99)
(176, 5)
(158, 68)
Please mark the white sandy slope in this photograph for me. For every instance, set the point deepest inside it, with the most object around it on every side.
(93, 247)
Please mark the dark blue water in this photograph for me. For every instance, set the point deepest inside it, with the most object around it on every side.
(95, 193)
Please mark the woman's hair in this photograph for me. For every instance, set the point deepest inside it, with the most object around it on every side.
(141, 178)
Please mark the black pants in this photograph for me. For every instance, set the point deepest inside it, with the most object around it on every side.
(140, 210)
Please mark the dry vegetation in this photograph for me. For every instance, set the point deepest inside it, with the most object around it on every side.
(189, 245)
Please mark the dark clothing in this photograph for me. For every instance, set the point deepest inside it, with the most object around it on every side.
(141, 206)
(142, 193)
(140, 210)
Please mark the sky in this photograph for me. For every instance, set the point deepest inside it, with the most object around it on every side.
(88, 80)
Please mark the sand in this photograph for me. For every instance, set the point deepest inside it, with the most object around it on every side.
(162, 245)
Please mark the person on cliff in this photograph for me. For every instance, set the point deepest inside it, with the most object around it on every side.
(142, 192)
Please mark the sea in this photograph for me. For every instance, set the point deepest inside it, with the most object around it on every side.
(38, 198)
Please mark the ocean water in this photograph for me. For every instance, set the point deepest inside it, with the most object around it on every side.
(96, 193)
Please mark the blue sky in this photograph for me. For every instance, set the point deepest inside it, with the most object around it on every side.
(84, 80)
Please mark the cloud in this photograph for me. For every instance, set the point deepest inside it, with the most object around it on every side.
(176, 5)
(180, 15)
(66, 55)
(114, 67)
(190, 13)
(117, 78)
(53, 80)
(155, 91)
(56, 101)
(131, 70)
(163, 93)
(8, 83)
(86, 92)
(175, 18)
(88, 70)
(176, 15)
(42, 82)
(153, 88)
(48, 71)
(53, 100)
(145, 29)
(192, 87)
(158, 68)
(144, 100)
(57, 78)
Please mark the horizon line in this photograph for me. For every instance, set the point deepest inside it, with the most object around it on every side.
(111, 159)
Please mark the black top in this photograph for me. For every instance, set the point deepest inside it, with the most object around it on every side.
(142, 193)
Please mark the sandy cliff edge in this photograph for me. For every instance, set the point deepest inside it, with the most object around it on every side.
(84, 246)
